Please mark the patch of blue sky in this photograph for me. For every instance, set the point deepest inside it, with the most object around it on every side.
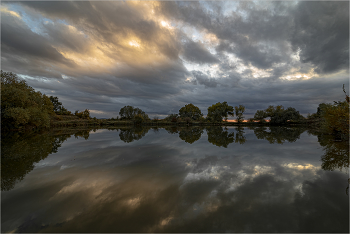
(227, 7)
(192, 33)
(211, 70)
(42, 79)
(34, 22)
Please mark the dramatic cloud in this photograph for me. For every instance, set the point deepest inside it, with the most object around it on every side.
(160, 56)
(321, 34)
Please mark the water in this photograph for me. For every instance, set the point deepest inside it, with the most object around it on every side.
(187, 179)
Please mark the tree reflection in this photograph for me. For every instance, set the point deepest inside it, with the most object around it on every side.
(336, 152)
(131, 134)
(19, 152)
(83, 133)
(171, 129)
(219, 136)
(278, 135)
(336, 156)
(190, 134)
(240, 138)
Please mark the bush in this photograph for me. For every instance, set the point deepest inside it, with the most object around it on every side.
(83, 114)
(138, 119)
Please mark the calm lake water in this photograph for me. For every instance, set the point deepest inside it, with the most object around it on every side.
(175, 180)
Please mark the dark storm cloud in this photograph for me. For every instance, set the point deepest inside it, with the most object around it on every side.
(259, 56)
(256, 34)
(203, 79)
(196, 52)
(61, 35)
(322, 34)
(26, 51)
(13, 31)
(255, 38)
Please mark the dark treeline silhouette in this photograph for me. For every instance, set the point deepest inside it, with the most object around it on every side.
(278, 135)
(24, 108)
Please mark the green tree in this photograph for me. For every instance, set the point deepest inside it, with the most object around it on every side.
(260, 116)
(218, 111)
(239, 110)
(190, 111)
(21, 105)
(58, 108)
(279, 115)
(285, 116)
(129, 112)
(321, 109)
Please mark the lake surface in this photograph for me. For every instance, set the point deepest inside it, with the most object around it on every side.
(186, 179)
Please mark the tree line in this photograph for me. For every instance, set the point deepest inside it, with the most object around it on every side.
(22, 106)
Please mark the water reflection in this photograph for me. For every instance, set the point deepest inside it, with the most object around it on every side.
(187, 134)
(131, 134)
(279, 135)
(240, 138)
(336, 154)
(20, 152)
(157, 183)
(190, 134)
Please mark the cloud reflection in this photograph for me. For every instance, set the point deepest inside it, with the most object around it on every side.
(172, 186)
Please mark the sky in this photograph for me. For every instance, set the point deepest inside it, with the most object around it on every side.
(160, 56)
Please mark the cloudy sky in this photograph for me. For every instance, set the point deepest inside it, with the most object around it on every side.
(159, 56)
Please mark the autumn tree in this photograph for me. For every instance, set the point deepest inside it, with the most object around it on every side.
(21, 105)
(217, 112)
(191, 111)
(336, 119)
